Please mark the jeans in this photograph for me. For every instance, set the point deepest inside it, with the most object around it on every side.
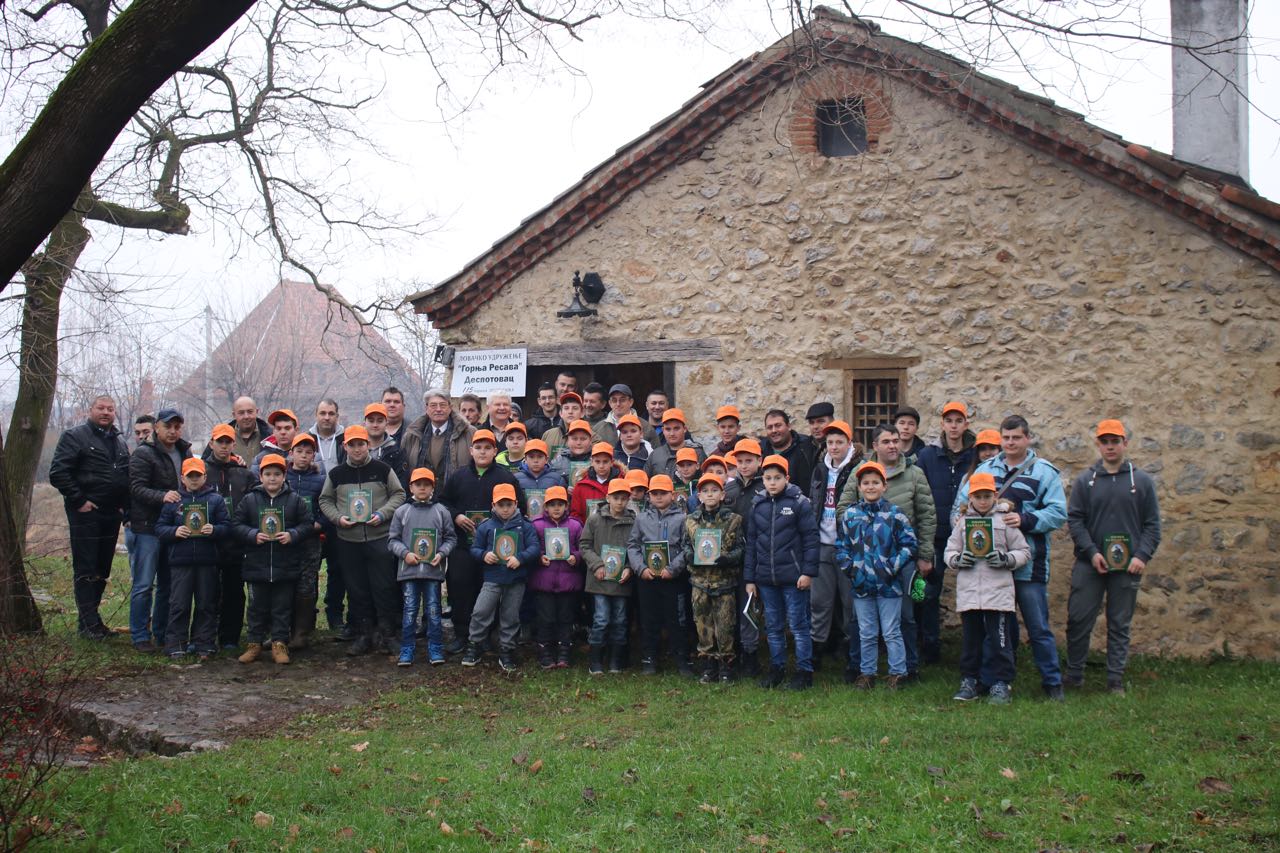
(427, 592)
(500, 600)
(879, 617)
(93, 545)
(201, 584)
(150, 569)
(1033, 604)
(907, 625)
(608, 620)
(1087, 591)
(929, 612)
(787, 607)
(830, 589)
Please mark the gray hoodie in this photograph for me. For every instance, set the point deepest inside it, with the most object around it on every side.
(1102, 504)
(416, 514)
(654, 526)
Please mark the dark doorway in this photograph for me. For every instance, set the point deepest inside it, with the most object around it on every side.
(642, 378)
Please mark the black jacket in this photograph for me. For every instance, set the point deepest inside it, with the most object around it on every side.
(800, 457)
(91, 463)
(467, 491)
(151, 474)
(195, 550)
(271, 562)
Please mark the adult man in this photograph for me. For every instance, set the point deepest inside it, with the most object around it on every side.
(621, 404)
(440, 439)
(393, 402)
(798, 450)
(251, 430)
(570, 411)
(154, 471)
(227, 473)
(818, 416)
(328, 434)
(728, 425)
(1035, 504)
(91, 470)
(663, 459)
(594, 412)
(470, 489)
(381, 445)
(830, 588)
(566, 382)
(945, 463)
(907, 421)
(655, 405)
(906, 488)
(548, 413)
(498, 405)
(469, 408)
(284, 426)
(1114, 519)
(143, 426)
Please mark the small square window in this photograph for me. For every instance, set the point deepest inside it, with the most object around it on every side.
(875, 399)
(842, 127)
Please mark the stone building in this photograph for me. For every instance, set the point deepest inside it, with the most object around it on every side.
(854, 217)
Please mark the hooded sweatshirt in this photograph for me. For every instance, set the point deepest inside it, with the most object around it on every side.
(1103, 504)
(421, 515)
(829, 478)
(907, 489)
(653, 525)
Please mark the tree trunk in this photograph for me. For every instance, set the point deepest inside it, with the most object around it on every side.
(46, 275)
(112, 79)
(18, 611)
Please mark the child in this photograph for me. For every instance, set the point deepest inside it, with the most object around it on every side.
(714, 578)
(193, 561)
(516, 438)
(684, 481)
(985, 593)
(875, 542)
(608, 597)
(781, 562)
(272, 560)
(534, 474)
(639, 482)
(306, 480)
(986, 445)
(664, 589)
(420, 578)
(632, 451)
(740, 493)
(577, 449)
(594, 485)
(556, 584)
(504, 578)
(715, 465)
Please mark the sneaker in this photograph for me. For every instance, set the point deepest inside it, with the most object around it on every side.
(437, 658)
(1115, 686)
(1073, 682)
(204, 654)
(565, 656)
(773, 678)
(456, 646)
(176, 654)
(97, 633)
(912, 677)
(864, 682)
(968, 690)
(710, 673)
(648, 666)
(1053, 694)
(595, 660)
(800, 680)
(406, 657)
(684, 668)
(727, 674)
(546, 660)
(615, 659)
(471, 656)
(893, 682)
(750, 664)
(1002, 694)
(507, 660)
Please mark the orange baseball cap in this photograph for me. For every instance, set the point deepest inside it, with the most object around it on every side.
(661, 483)
(578, 426)
(504, 492)
(1110, 427)
(728, 412)
(686, 454)
(355, 432)
(776, 461)
(873, 467)
(223, 431)
(375, 409)
(629, 419)
(710, 478)
(748, 445)
(568, 396)
(484, 435)
(537, 445)
(516, 426)
(195, 463)
(840, 427)
(282, 413)
(982, 482)
(304, 438)
(731, 459)
(955, 406)
(602, 447)
(422, 474)
(988, 436)
(271, 459)
(637, 478)
(714, 457)
(555, 493)
(619, 487)
(673, 415)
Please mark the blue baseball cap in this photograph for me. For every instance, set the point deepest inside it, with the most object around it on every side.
(167, 415)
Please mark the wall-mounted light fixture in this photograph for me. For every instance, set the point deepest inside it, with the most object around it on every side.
(589, 288)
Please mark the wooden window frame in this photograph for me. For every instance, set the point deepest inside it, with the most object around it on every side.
(870, 369)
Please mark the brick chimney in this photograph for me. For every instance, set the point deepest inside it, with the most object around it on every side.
(1210, 84)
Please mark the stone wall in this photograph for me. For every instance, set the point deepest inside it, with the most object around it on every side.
(1020, 284)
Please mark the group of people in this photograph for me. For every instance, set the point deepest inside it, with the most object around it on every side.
(613, 519)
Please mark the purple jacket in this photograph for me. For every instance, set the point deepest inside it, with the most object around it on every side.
(559, 576)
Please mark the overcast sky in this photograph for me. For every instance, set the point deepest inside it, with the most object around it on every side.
(530, 136)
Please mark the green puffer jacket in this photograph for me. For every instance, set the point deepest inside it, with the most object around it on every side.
(908, 490)
(728, 568)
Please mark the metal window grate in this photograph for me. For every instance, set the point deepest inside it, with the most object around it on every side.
(874, 402)
(842, 127)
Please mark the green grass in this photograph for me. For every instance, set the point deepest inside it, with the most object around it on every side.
(629, 763)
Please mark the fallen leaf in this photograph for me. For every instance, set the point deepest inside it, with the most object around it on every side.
(294, 829)
(1209, 784)
(486, 832)
(1006, 806)
(884, 741)
(848, 795)
(239, 800)
(262, 820)
(174, 807)
(761, 840)
(1202, 818)
(519, 759)
(797, 756)
(820, 803)
(824, 819)
(536, 767)
(935, 771)
(977, 812)
(525, 730)
(445, 828)
(992, 834)
(843, 831)
(709, 809)
(1146, 848)
(442, 780)
(1008, 773)
(533, 844)
(589, 794)
(1244, 738)
(345, 832)
(630, 776)
(1133, 777)
(1120, 838)
(360, 747)
(335, 770)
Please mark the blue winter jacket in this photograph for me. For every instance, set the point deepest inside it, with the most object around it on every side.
(195, 550)
(545, 480)
(1038, 497)
(782, 539)
(945, 471)
(874, 543)
(530, 548)
(308, 485)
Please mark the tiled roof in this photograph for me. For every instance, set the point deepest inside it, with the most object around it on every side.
(1212, 201)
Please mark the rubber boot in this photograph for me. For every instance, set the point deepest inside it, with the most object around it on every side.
(304, 621)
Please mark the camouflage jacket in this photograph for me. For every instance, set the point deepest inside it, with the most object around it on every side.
(728, 568)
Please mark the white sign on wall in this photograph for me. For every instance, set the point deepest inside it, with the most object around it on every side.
(486, 371)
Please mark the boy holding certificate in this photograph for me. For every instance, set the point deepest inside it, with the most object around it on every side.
(421, 536)
(655, 551)
(713, 550)
(535, 476)
(984, 551)
(604, 550)
(1114, 520)
(507, 546)
(557, 582)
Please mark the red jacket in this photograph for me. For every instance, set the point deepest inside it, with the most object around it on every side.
(589, 489)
